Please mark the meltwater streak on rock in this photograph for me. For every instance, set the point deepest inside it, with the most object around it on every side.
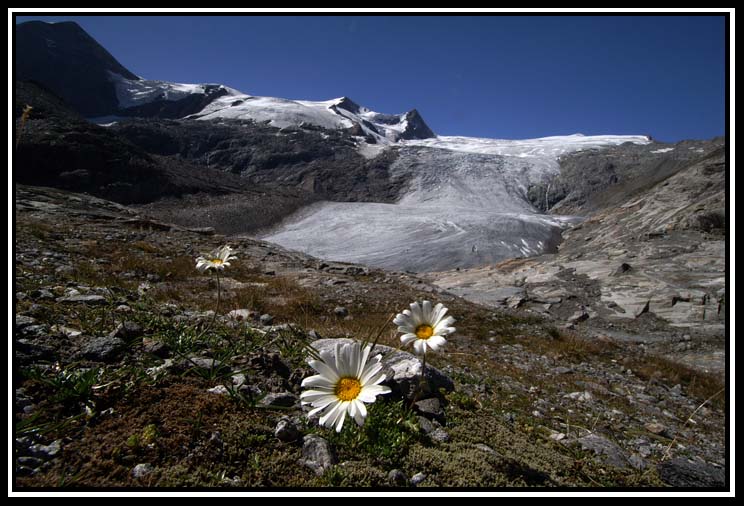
(466, 206)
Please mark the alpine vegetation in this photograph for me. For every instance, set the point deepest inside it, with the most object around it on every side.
(347, 380)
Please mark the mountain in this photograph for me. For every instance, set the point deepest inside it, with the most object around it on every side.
(66, 60)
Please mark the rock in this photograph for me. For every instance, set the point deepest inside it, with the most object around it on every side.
(317, 454)
(557, 436)
(42, 294)
(29, 462)
(201, 363)
(103, 349)
(282, 399)
(219, 390)
(417, 478)
(637, 462)
(579, 396)
(127, 330)
(91, 300)
(681, 472)
(578, 316)
(266, 319)
(142, 470)
(606, 449)
(239, 314)
(156, 348)
(515, 301)
(622, 269)
(431, 409)
(123, 308)
(562, 370)
(22, 321)
(46, 452)
(657, 428)
(239, 380)
(397, 478)
(286, 430)
(426, 426)
(402, 370)
(439, 435)
(340, 311)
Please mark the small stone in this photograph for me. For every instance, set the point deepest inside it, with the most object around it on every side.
(286, 431)
(579, 396)
(425, 425)
(123, 308)
(103, 349)
(430, 408)
(340, 311)
(557, 436)
(282, 399)
(439, 435)
(578, 316)
(91, 300)
(606, 449)
(417, 478)
(29, 462)
(142, 470)
(317, 454)
(205, 363)
(562, 370)
(397, 478)
(46, 452)
(239, 314)
(266, 319)
(656, 428)
(156, 348)
(219, 390)
(238, 380)
(22, 321)
(637, 462)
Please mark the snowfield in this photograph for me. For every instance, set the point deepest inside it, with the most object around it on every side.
(466, 206)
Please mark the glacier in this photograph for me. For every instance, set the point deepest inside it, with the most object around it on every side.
(465, 206)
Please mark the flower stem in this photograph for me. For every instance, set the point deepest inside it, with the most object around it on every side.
(216, 310)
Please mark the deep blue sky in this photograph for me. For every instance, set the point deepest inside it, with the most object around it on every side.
(500, 76)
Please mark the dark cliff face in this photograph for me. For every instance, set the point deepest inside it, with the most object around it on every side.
(66, 60)
(417, 128)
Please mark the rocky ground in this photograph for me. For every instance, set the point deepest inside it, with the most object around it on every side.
(647, 269)
(124, 376)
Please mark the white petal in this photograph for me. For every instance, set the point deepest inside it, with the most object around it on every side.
(444, 324)
(419, 346)
(416, 314)
(369, 372)
(407, 338)
(370, 393)
(436, 342)
(325, 409)
(426, 311)
(361, 413)
(340, 423)
(325, 370)
(439, 312)
(321, 401)
(329, 417)
(363, 361)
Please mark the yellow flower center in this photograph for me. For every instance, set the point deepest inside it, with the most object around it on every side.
(424, 331)
(216, 261)
(347, 389)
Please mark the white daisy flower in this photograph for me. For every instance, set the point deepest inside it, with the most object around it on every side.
(216, 259)
(424, 326)
(345, 383)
